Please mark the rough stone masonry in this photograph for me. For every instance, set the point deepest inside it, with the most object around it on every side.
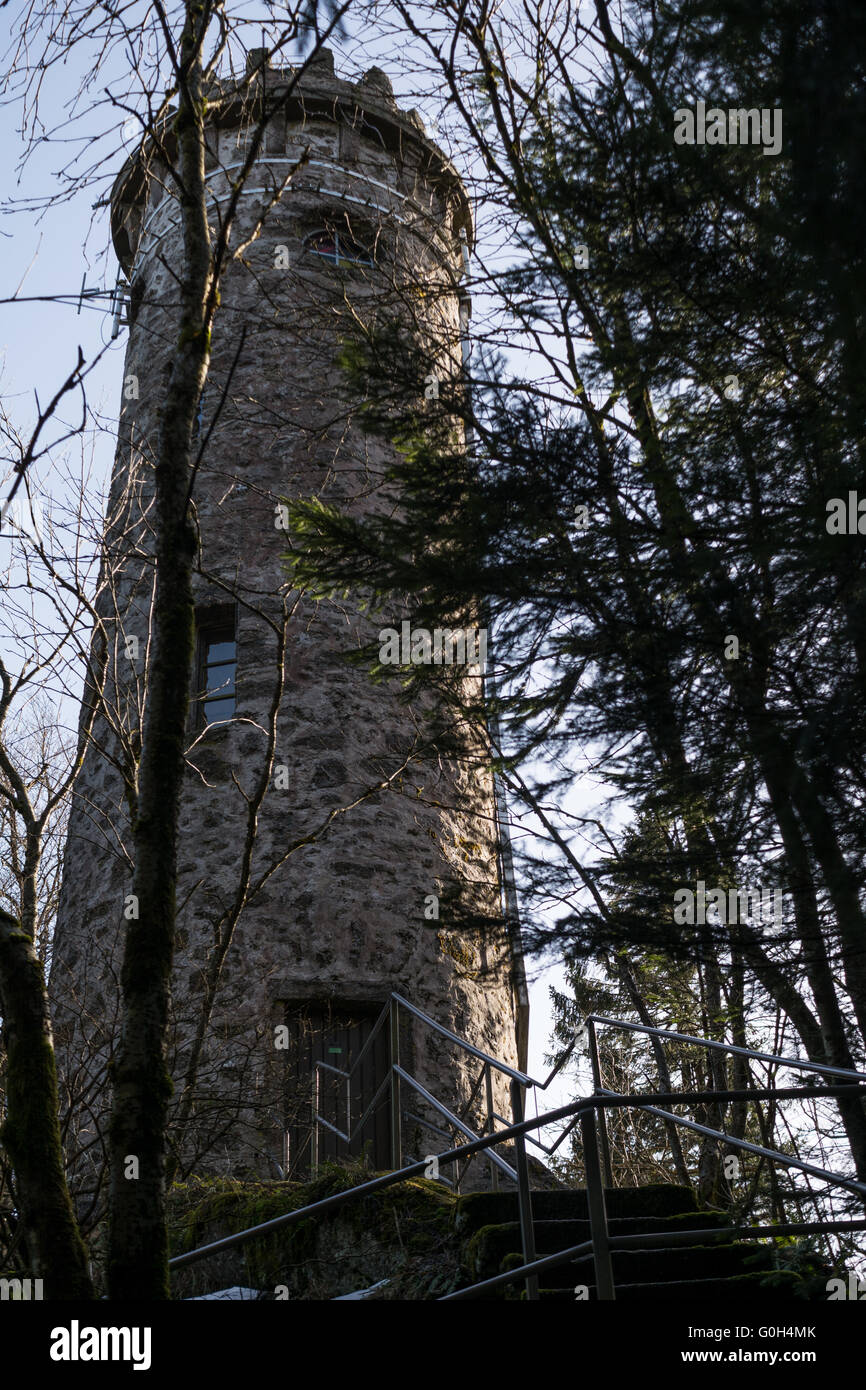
(298, 919)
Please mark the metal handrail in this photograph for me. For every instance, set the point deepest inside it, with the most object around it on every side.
(457, 1123)
(390, 1011)
(601, 1244)
(353, 1133)
(485, 1057)
(582, 1111)
(648, 1240)
(411, 1170)
(512, 1072)
(528, 1081)
(594, 1137)
(584, 1107)
(523, 1077)
(823, 1068)
(668, 1034)
(746, 1144)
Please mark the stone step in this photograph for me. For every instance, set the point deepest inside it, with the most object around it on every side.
(486, 1248)
(661, 1266)
(479, 1209)
(701, 1269)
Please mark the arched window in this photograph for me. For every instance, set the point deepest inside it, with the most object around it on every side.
(338, 247)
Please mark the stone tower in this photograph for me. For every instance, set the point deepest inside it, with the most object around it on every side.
(319, 833)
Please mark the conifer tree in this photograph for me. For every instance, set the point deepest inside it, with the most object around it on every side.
(645, 507)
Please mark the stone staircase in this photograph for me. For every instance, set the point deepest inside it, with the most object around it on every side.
(725, 1271)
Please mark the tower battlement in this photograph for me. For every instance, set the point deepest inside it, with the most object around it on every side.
(363, 117)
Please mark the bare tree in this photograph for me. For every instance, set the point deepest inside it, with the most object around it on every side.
(45, 597)
(173, 57)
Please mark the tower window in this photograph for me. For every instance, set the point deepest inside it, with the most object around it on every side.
(338, 247)
(217, 666)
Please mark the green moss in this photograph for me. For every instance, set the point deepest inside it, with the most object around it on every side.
(485, 1250)
(403, 1229)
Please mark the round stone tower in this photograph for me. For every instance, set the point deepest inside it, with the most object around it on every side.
(321, 833)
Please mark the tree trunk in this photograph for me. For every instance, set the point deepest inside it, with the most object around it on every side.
(665, 1084)
(138, 1252)
(31, 1132)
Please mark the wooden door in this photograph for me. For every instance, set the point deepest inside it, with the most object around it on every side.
(334, 1034)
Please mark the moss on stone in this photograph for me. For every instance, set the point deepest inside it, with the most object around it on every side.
(404, 1234)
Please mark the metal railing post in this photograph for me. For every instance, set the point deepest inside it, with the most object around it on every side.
(349, 1111)
(314, 1138)
(524, 1197)
(597, 1212)
(396, 1118)
(596, 1086)
(491, 1124)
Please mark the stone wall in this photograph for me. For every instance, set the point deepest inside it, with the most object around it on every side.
(330, 881)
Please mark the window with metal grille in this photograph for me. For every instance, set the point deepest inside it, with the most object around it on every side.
(217, 666)
(338, 247)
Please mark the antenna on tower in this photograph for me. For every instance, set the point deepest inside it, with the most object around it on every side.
(118, 301)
